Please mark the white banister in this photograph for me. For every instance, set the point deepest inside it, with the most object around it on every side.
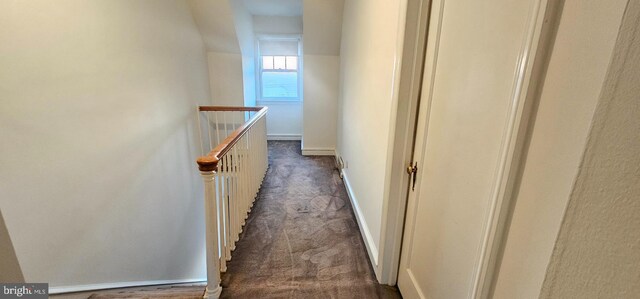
(232, 171)
(213, 289)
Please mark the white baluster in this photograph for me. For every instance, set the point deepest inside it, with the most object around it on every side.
(211, 146)
(228, 221)
(227, 185)
(245, 173)
(262, 167)
(217, 128)
(237, 185)
(265, 147)
(252, 159)
(229, 228)
(213, 289)
(202, 152)
(230, 192)
(255, 159)
(222, 226)
(241, 170)
(234, 190)
(245, 170)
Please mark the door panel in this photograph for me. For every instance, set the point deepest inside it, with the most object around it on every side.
(473, 74)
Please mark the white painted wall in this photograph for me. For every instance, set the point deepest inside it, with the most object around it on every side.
(284, 120)
(322, 20)
(322, 24)
(320, 107)
(597, 252)
(249, 80)
(227, 30)
(226, 78)
(216, 23)
(577, 68)
(98, 182)
(368, 60)
(277, 24)
(246, 38)
(8, 260)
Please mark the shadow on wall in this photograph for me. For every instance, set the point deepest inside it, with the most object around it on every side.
(9, 266)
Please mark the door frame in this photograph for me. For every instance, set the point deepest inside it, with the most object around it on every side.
(411, 46)
(534, 59)
(528, 78)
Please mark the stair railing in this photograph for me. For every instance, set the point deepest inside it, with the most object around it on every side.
(233, 171)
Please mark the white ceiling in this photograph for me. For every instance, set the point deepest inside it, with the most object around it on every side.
(273, 7)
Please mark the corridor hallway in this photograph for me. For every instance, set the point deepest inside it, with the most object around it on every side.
(301, 239)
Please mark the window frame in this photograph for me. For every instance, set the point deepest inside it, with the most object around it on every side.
(259, 70)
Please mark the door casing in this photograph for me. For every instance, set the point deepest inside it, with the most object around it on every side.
(528, 78)
(412, 42)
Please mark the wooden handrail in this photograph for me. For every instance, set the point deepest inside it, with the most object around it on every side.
(210, 161)
(229, 108)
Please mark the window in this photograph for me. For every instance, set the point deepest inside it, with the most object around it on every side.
(279, 78)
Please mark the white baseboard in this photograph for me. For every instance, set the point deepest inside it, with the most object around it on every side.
(364, 228)
(117, 285)
(295, 137)
(318, 151)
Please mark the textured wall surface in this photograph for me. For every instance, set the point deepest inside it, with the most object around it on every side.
(597, 254)
(577, 68)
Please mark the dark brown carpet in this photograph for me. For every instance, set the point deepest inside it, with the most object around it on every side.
(301, 239)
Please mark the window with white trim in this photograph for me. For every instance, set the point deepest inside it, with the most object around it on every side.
(279, 65)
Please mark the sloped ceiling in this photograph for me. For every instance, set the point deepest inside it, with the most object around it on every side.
(287, 8)
(218, 22)
(215, 20)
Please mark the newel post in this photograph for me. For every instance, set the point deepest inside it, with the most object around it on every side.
(213, 247)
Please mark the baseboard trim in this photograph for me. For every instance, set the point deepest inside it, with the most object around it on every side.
(318, 151)
(117, 285)
(364, 228)
(294, 137)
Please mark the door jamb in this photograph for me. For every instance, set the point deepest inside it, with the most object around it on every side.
(407, 94)
(534, 61)
(412, 37)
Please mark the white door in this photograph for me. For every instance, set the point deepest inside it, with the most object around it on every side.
(478, 68)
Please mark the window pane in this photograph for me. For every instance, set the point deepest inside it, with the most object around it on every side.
(292, 62)
(267, 62)
(280, 84)
(278, 62)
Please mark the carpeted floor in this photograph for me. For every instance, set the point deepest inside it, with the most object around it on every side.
(301, 239)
